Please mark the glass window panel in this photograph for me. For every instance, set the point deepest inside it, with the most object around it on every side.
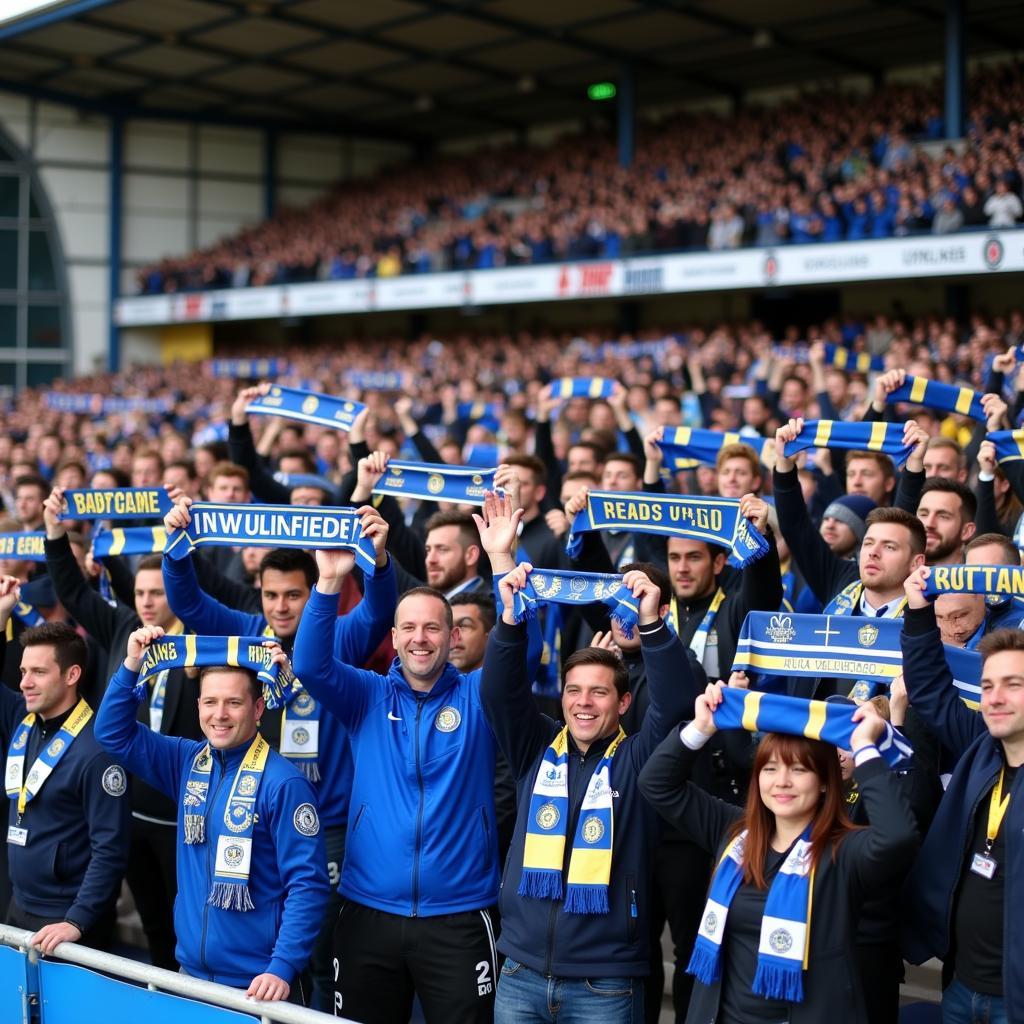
(8, 374)
(33, 207)
(8, 326)
(9, 190)
(44, 327)
(8, 259)
(41, 275)
(42, 373)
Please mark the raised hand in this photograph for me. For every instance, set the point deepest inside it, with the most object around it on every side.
(53, 506)
(244, 398)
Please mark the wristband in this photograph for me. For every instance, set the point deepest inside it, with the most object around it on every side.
(986, 478)
(866, 753)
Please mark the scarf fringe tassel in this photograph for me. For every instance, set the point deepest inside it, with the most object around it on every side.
(195, 829)
(540, 885)
(774, 981)
(230, 896)
(586, 899)
(705, 964)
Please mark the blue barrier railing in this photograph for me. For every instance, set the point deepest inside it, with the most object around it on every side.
(76, 984)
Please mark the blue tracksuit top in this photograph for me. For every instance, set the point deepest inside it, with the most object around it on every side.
(421, 835)
(288, 872)
(356, 637)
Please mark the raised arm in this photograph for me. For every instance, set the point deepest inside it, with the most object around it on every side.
(928, 680)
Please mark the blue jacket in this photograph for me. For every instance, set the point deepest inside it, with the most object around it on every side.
(536, 932)
(356, 637)
(288, 873)
(421, 837)
(931, 888)
(65, 870)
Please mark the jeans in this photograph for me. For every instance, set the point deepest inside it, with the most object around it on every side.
(526, 997)
(962, 1006)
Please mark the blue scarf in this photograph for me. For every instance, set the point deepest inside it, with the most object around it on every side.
(1005, 580)
(683, 446)
(177, 650)
(232, 859)
(436, 481)
(482, 455)
(785, 926)
(566, 587)
(26, 614)
(377, 380)
(273, 526)
(117, 503)
(307, 407)
(712, 520)
(872, 437)
(23, 547)
(856, 362)
(129, 540)
(97, 405)
(484, 413)
(249, 369)
(581, 387)
(839, 647)
(1009, 446)
(936, 395)
(815, 719)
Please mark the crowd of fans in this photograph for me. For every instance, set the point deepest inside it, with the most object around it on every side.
(825, 168)
(410, 763)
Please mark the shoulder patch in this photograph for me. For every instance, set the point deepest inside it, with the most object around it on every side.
(306, 820)
(114, 781)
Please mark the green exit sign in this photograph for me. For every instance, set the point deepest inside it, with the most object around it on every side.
(601, 91)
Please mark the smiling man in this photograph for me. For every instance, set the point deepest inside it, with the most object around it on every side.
(963, 893)
(424, 788)
(245, 815)
(579, 864)
(67, 797)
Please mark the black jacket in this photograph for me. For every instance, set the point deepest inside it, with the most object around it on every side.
(931, 888)
(864, 860)
(536, 932)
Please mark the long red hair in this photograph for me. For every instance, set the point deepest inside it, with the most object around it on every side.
(831, 823)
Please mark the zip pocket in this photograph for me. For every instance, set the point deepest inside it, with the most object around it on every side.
(632, 909)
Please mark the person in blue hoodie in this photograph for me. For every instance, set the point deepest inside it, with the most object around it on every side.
(576, 892)
(421, 857)
(963, 900)
(252, 872)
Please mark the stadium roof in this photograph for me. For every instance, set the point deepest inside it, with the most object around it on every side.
(433, 69)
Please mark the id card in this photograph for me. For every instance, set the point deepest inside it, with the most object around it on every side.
(982, 865)
(17, 836)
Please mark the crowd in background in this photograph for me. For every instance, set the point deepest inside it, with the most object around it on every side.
(827, 167)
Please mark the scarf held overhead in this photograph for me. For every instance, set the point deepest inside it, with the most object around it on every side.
(273, 526)
(936, 395)
(814, 719)
(712, 520)
(554, 585)
(683, 446)
(434, 481)
(872, 437)
(117, 503)
(307, 407)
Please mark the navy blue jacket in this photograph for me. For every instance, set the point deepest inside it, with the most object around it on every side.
(288, 867)
(64, 870)
(356, 636)
(931, 888)
(536, 932)
(422, 837)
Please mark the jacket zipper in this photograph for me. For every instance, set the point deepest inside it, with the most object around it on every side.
(570, 832)
(209, 865)
(419, 815)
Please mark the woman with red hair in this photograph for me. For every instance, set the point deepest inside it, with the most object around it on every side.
(777, 940)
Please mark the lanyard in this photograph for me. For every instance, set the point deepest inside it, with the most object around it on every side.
(996, 811)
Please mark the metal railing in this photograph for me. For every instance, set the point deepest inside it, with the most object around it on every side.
(156, 979)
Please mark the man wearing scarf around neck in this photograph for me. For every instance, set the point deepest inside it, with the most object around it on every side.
(243, 811)
(67, 806)
(576, 890)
